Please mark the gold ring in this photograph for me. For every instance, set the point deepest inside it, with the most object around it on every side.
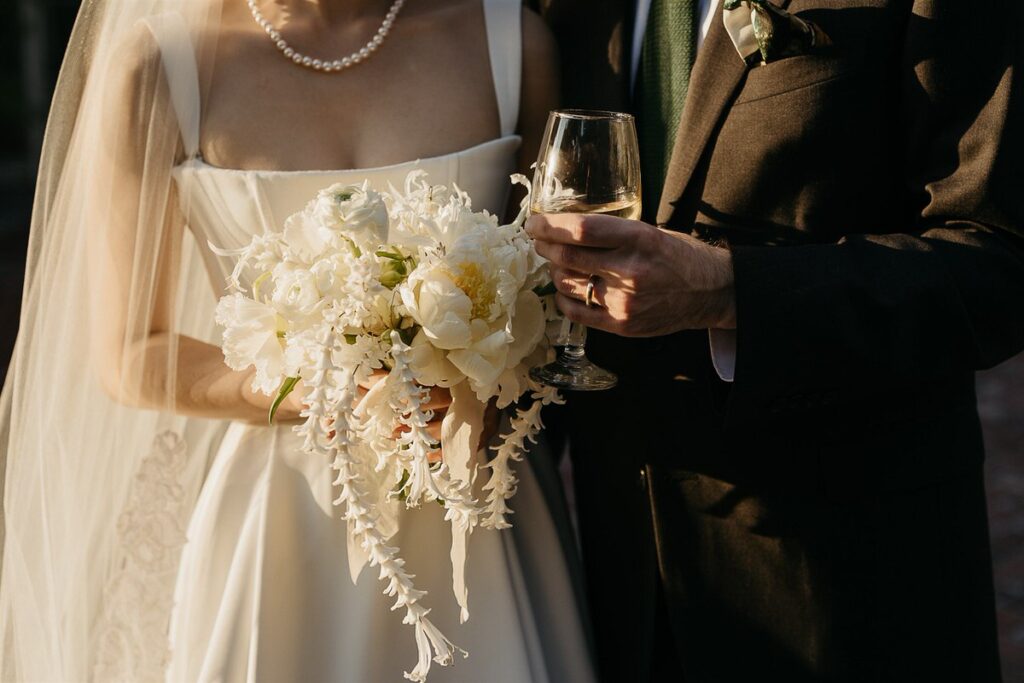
(590, 291)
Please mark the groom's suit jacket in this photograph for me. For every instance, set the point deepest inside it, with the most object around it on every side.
(822, 517)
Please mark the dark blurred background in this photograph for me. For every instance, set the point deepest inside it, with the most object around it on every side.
(32, 49)
(30, 56)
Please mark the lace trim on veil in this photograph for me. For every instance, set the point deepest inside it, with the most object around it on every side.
(132, 639)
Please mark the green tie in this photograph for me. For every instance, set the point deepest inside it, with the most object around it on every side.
(666, 59)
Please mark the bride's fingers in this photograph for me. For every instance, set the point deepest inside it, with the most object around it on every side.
(433, 427)
(372, 381)
(440, 399)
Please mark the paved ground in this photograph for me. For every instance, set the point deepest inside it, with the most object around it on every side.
(1001, 404)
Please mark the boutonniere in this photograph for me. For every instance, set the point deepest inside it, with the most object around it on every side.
(763, 32)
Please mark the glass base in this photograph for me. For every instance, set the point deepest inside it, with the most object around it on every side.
(574, 374)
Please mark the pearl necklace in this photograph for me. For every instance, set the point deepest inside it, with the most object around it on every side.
(325, 65)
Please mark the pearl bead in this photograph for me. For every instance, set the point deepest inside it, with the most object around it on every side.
(326, 65)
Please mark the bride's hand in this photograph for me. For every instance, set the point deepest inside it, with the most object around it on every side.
(439, 401)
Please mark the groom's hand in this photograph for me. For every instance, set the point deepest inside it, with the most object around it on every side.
(649, 282)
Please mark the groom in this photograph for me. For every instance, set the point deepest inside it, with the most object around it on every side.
(787, 483)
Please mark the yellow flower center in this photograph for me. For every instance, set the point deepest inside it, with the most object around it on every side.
(472, 281)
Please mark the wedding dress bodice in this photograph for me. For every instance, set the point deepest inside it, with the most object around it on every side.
(226, 207)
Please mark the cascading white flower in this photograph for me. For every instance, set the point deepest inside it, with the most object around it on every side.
(417, 284)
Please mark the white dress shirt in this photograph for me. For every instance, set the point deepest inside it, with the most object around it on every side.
(723, 342)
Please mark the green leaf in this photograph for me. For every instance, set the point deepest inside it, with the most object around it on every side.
(287, 387)
(545, 290)
(351, 339)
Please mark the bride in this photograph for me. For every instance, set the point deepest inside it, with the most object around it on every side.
(155, 528)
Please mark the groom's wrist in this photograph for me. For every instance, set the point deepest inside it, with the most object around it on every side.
(722, 296)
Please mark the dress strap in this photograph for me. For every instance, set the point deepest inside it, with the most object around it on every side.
(505, 42)
(179, 59)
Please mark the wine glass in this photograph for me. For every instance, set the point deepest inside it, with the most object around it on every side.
(589, 162)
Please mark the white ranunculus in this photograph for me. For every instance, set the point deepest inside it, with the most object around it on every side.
(296, 290)
(251, 339)
(355, 211)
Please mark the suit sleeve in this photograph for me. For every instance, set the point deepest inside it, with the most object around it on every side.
(945, 297)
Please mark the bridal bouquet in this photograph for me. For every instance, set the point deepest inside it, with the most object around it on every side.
(417, 285)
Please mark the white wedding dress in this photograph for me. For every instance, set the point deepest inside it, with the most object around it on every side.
(263, 592)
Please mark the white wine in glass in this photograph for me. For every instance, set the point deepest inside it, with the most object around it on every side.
(589, 162)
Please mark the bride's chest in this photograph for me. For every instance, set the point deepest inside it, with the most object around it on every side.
(390, 109)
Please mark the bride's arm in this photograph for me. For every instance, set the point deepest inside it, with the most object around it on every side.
(134, 258)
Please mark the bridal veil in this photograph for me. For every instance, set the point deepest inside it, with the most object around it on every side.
(101, 474)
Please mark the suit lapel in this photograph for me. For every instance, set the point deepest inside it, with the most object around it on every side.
(713, 85)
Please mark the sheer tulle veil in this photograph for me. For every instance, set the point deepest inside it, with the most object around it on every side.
(101, 473)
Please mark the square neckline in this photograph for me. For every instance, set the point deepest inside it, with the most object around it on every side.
(199, 163)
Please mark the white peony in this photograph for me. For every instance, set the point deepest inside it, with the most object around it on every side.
(440, 306)
(485, 359)
(431, 364)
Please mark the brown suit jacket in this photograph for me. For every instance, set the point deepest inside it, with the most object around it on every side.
(823, 517)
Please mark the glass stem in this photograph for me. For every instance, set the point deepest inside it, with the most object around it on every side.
(576, 341)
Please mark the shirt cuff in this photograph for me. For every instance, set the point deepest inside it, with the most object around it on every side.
(723, 353)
